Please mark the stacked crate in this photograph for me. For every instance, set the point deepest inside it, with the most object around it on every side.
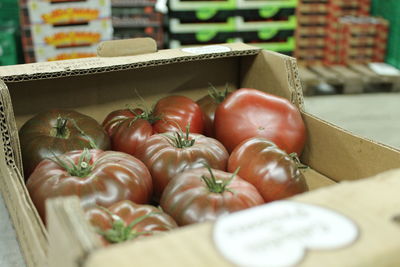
(201, 22)
(312, 21)
(64, 29)
(338, 9)
(137, 18)
(9, 32)
(362, 40)
(390, 10)
(269, 24)
(317, 33)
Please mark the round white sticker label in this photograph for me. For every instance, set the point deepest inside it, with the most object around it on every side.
(278, 234)
(209, 49)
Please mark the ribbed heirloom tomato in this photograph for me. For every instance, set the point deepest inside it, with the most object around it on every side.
(273, 172)
(57, 131)
(168, 154)
(176, 112)
(203, 194)
(247, 113)
(97, 177)
(128, 128)
(126, 220)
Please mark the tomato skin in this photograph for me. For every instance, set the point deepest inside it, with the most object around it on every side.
(114, 118)
(115, 176)
(126, 130)
(208, 106)
(176, 112)
(128, 211)
(247, 113)
(165, 160)
(188, 200)
(268, 168)
(38, 141)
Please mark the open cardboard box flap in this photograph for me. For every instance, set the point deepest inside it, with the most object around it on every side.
(96, 86)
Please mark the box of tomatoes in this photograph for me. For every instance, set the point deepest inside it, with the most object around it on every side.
(202, 156)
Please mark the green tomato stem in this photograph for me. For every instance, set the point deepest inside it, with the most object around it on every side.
(181, 140)
(81, 169)
(215, 185)
(121, 233)
(218, 96)
(61, 129)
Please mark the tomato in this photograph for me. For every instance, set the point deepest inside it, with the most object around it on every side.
(126, 220)
(248, 113)
(208, 105)
(168, 155)
(176, 112)
(128, 128)
(57, 131)
(97, 177)
(202, 194)
(273, 172)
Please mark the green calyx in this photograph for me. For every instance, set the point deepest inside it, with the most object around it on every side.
(60, 130)
(145, 115)
(180, 139)
(218, 96)
(215, 185)
(81, 169)
(296, 160)
(119, 232)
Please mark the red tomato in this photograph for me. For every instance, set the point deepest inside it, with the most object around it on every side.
(57, 131)
(208, 105)
(273, 172)
(247, 113)
(197, 195)
(166, 157)
(176, 112)
(128, 128)
(126, 220)
(97, 177)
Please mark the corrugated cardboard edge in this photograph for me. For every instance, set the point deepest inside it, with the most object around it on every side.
(9, 130)
(78, 238)
(295, 85)
(371, 203)
(85, 66)
(30, 231)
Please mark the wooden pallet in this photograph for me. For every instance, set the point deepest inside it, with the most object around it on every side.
(352, 79)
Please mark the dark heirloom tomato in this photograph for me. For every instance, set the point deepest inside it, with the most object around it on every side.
(126, 220)
(247, 113)
(166, 157)
(96, 177)
(175, 113)
(208, 105)
(200, 195)
(273, 172)
(57, 131)
(128, 128)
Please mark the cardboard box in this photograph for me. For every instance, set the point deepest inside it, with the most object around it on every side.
(95, 86)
